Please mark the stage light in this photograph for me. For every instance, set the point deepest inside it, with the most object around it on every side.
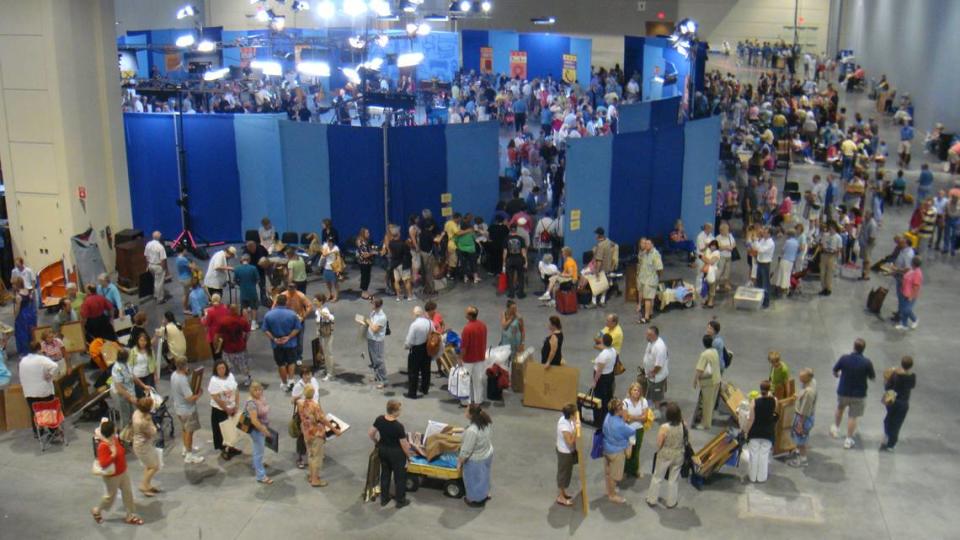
(411, 28)
(436, 18)
(424, 29)
(407, 6)
(543, 20)
(409, 59)
(382, 40)
(216, 74)
(185, 40)
(252, 2)
(465, 6)
(393, 17)
(186, 11)
(268, 67)
(314, 69)
(206, 46)
(354, 8)
(373, 65)
(278, 23)
(262, 15)
(380, 7)
(351, 74)
(357, 42)
(326, 9)
(300, 6)
(486, 6)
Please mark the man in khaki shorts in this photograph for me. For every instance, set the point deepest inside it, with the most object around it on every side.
(452, 229)
(185, 408)
(854, 370)
(649, 269)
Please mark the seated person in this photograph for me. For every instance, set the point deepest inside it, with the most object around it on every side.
(679, 240)
(547, 270)
(567, 275)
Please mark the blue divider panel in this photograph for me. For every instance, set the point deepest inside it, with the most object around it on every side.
(306, 177)
(356, 179)
(667, 177)
(544, 54)
(152, 172)
(583, 48)
(588, 189)
(633, 58)
(665, 112)
(631, 181)
(260, 170)
(502, 43)
(473, 175)
(471, 41)
(634, 117)
(418, 170)
(213, 183)
(700, 160)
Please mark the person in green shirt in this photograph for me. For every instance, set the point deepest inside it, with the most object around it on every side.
(75, 297)
(296, 270)
(779, 373)
(467, 250)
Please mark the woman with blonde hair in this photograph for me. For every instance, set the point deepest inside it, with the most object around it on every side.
(637, 409)
(144, 431)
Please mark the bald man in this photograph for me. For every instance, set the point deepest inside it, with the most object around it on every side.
(156, 256)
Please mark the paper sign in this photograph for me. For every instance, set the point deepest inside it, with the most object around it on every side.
(575, 214)
(360, 319)
(446, 198)
(574, 224)
(446, 211)
(518, 64)
(569, 68)
(708, 195)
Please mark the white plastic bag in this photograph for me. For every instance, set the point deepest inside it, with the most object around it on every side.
(458, 384)
(159, 457)
(498, 355)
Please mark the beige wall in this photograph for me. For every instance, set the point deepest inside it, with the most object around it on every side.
(60, 125)
(767, 20)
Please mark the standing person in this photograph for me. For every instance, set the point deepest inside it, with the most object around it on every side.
(325, 324)
(123, 389)
(761, 427)
(259, 258)
(726, 244)
(637, 408)
(512, 330)
(365, 255)
(567, 455)
(551, 354)
(476, 456)
(671, 442)
(109, 290)
(788, 262)
(428, 234)
(867, 238)
(185, 269)
(233, 332)
(655, 367)
(296, 270)
(830, 246)
(613, 328)
(854, 370)
(37, 373)
(25, 273)
(901, 265)
(377, 325)
(331, 263)
(473, 350)
(298, 397)
(418, 362)
(707, 378)
(515, 263)
(467, 250)
(765, 248)
(218, 271)
(451, 230)
(910, 285)
(779, 373)
(605, 255)
(283, 327)
(214, 314)
(224, 403)
(898, 385)
(144, 432)
(112, 458)
(314, 426)
(394, 451)
(603, 378)
(185, 409)
(247, 278)
(616, 447)
(719, 344)
(144, 365)
(649, 270)
(25, 315)
(156, 255)
(302, 307)
(258, 410)
(401, 262)
(803, 417)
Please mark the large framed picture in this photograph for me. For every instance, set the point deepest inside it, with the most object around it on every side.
(72, 390)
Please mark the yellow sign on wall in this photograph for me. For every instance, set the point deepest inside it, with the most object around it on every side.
(575, 215)
(707, 195)
(446, 198)
(446, 211)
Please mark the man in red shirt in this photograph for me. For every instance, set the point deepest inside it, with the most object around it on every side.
(96, 312)
(233, 330)
(211, 320)
(473, 352)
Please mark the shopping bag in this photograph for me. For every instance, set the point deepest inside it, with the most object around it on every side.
(502, 283)
(499, 355)
(228, 428)
(458, 384)
(596, 451)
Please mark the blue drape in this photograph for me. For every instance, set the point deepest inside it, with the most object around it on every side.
(701, 143)
(213, 182)
(667, 180)
(356, 179)
(588, 189)
(634, 117)
(471, 41)
(473, 176)
(665, 112)
(544, 54)
(306, 176)
(152, 172)
(260, 170)
(631, 181)
(418, 170)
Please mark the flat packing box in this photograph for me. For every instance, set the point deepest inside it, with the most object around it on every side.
(549, 388)
(748, 298)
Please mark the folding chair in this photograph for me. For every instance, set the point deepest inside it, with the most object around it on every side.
(48, 415)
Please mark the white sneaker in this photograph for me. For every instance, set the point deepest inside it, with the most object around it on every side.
(193, 458)
(834, 432)
(326, 378)
(914, 324)
(899, 327)
(545, 297)
(183, 451)
(848, 443)
(253, 325)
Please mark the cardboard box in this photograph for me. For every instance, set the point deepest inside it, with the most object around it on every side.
(196, 335)
(14, 411)
(748, 298)
(549, 388)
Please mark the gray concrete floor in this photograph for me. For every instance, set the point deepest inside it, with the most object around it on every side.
(860, 493)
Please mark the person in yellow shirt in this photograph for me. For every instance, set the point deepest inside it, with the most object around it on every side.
(849, 149)
(616, 333)
(452, 230)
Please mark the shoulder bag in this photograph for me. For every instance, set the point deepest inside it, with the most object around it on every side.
(618, 368)
(245, 424)
(687, 466)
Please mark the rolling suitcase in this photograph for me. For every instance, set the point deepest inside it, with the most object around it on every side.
(875, 300)
(566, 302)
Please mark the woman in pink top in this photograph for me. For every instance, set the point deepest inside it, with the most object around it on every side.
(911, 285)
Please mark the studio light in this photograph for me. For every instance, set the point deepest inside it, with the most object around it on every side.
(326, 9)
(411, 28)
(357, 42)
(314, 69)
(382, 40)
(351, 74)
(300, 6)
(465, 6)
(409, 59)
(185, 40)
(423, 29)
(206, 46)
(407, 6)
(543, 20)
(354, 8)
(486, 6)
(262, 16)
(268, 67)
(373, 65)
(380, 7)
(216, 74)
(186, 12)
(278, 22)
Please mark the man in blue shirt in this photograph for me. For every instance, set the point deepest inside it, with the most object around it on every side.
(924, 184)
(906, 140)
(519, 113)
(184, 275)
(110, 291)
(247, 277)
(616, 439)
(788, 257)
(283, 327)
(854, 370)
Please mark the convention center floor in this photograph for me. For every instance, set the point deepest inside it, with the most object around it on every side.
(857, 493)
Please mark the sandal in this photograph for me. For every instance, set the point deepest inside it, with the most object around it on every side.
(97, 516)
(564, 502)
(146, 492)
(133, 520)
(267, 480)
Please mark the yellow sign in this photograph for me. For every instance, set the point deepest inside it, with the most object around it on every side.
(574, 224)
(575, 215)
(569, 68)
(446, 198)
(708, 195)
(446, 211)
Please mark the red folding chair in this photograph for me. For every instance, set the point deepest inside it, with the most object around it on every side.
(48, 415)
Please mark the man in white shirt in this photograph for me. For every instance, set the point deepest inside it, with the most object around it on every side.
(765, 248)
(218, 271)
(656, 364)
(418, 362)
(36, 377)
(25, 273)
(156, 256)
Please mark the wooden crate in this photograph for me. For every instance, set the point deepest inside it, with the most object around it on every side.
(716, 452)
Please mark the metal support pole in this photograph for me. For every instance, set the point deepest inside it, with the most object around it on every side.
(386, 178)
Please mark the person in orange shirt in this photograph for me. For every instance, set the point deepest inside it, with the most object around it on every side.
(569, 272)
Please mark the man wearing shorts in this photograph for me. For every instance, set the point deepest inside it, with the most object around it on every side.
(649, 269)
(283, 327)
(854, 370)
(452, 229)
(185, 408)
(248, 277)
(655, 367)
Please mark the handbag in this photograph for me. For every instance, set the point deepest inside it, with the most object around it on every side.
(687, 466)
(889, 397)
(245, 424)
(388, 331)
(434, 341)
(337, 265)
(294, 428)
(596, 451)
(618, 368)
(727, 357)
(97, 470)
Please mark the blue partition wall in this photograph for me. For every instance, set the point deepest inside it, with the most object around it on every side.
(304, 151)
(260, 170)
(634, 117)
(356, 179)
(589, 189)
(701, 142)
(544, 52)
(473, 166)
(213, 182)
(152, 171)
(665, 112)
(418, 170)
(667, 177)
(630, 198)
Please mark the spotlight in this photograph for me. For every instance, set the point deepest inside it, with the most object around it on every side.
(185, 40)
(407, 6)
(486, 6)
(373, 65)
(314, 69)
(300, 6)
(411, 28)
(380, 7)
(206, 46)
(351, 74)
(278, 23)
(382, 40)
(268, 67)
(186, 11)
(216, 74)
(354, 8)
(326, 9)
(543, 20)
(465, 5)
(424, 29)
(409, 59)
(357, 42)
(262, 15)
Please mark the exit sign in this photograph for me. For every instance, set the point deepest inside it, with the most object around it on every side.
(82, 193)
(641, 5)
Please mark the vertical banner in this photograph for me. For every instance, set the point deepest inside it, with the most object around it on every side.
(247, 54)
(486, 60)
(569, 68)
(518, 64)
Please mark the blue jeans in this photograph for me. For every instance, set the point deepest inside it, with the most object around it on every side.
(763, 281)
(951, 228)
(847, 168)
(922, 193)
(906, 311)
(259, 442)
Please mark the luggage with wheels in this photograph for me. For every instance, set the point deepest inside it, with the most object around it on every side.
(875, 300)
(566, 302)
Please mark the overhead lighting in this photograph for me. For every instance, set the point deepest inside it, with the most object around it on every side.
(373, 65)
(314, 69)
(351, 74)
(278, 23)
(465, 5)
(407, 6)
(436, 18)
(423, 29)
(326, 9)
(186, 12)
(262, 15)
(382, 40)
(409, 59)
(380, 7)
(354, 8)
(185, 40)
(206, 46)
(357, 42)
(216, 74)
(300, 6)
(543, 20)
(411, 28)
(486, 6)
(268, 67)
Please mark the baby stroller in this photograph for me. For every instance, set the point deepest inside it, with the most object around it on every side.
(163, 420)
(48, 415)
